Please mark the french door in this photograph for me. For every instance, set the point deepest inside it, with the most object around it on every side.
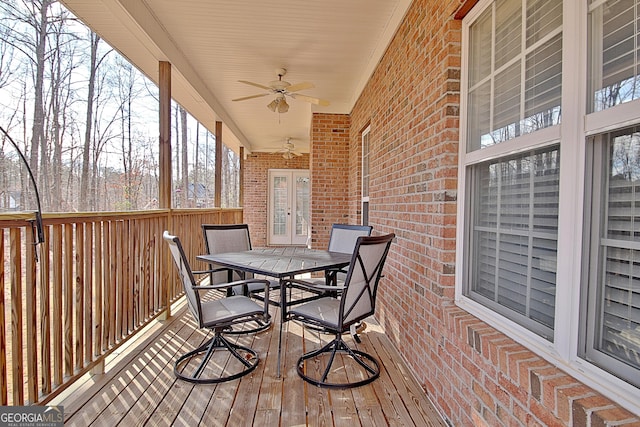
(289, 207)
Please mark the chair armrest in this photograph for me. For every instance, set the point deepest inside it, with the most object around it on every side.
(213, 270)
(231, 284)
(315, 286)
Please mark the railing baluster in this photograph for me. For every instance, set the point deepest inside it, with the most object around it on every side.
(88, 293)
(120, 301)
(31, 287)
(99, 324)
(68, 299)
(79, 297)
(16, 315)
(145, 271)
(109, 289)
(4, 400)
(45, 314)
(57, 297)
(132, 262)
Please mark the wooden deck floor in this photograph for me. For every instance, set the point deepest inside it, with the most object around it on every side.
(141, 389)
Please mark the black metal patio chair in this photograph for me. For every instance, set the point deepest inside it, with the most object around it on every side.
(218, 316)
(336, 315)
(342, 239)
(221, 238)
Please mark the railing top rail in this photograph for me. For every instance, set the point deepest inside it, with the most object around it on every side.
(19, 218)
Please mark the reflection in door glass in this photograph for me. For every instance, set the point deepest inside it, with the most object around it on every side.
(280, 203)
(302, 206)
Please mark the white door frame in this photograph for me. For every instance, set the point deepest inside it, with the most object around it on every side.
(288, 211)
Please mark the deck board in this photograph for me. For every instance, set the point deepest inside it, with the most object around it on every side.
(140, 388)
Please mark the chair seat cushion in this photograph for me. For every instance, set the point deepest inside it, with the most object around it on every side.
(228, 309)
(323, 311)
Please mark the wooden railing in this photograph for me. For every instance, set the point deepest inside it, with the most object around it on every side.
(98, 278)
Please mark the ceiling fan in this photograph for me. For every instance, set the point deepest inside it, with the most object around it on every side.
(288, 150)
(281, 89)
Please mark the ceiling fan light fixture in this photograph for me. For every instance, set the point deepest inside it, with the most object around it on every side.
(273, 105)
(279, 104)
(283, 107)
(288, 155)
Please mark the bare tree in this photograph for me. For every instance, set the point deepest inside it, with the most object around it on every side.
(7, 69)
(35, 15)
(196, 184)
(185, 158)
(126, 91)
(7, 63)
(86, 178)
(58, 118)
(82, 131)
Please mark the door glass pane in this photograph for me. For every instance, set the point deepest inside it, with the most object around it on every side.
(280, 205)
(302, 206)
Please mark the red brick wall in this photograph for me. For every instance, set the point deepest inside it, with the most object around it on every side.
(474, 374)
(330, 173)
(255, 182)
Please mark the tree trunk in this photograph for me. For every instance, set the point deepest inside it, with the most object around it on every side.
(196, 186)
(185, 159)
(86, 198)
(37, 133)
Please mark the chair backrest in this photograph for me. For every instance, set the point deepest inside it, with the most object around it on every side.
(361, 285)
(343, 237)
(184, 271)
(221, 238)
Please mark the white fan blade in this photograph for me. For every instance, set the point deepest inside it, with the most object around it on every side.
(300, 86)
(296, 153)
(310, 99)
(255, 84)
(250, 97)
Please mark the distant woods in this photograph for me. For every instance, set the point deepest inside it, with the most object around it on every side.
(87, 121)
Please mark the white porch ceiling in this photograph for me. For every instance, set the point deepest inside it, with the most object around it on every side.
(211, 44)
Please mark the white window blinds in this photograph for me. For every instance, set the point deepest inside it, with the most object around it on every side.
(514, 241)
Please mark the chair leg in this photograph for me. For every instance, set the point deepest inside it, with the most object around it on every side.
(246, 356)
(370, 367)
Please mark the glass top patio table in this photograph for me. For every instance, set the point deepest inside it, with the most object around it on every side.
(280, 263)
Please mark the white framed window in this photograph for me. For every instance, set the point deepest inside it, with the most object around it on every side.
(548, 243)
(611, 320)
(512, 168)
